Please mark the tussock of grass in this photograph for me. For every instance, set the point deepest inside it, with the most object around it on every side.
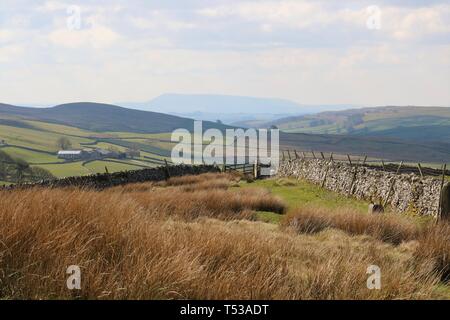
(434, 246)
(386, 227)
(215, 203)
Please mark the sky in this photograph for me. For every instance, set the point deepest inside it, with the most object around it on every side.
(312, 52)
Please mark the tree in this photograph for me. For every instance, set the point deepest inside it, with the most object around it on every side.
(64, 143)
(22, 167)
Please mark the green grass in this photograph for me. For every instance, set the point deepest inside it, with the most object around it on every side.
(36, 139)
(4, 183)
(99, 167)
(298, 193)
(66, 169)
(31, 156)
(269, 217)
(61, 129)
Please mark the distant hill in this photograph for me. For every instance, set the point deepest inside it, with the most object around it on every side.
(407, 123)
(103, 117)
(375, 147)
(229, 109)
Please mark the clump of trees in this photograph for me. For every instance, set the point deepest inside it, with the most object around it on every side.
(64, 143)
(19, 171)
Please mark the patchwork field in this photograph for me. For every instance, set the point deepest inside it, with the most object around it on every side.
(36, 143)
(214, 236)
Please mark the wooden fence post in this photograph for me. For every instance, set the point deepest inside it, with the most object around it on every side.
(314, 155)
(365, 159)
(350, 191)
(420, 169)
(392, 185)
(323, 156)
(255, 169)
(167, 173)
(444, 169)
(331, 157)
(106, 170)
(296, 155)
(304, 155)
(289, 154)
(382, 163)
(325, 176)
(399, 167)
(349, 160)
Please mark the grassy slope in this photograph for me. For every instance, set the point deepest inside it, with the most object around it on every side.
(99, 166)
(31, 157)
(66, 169)
(390, 121)
(36, 139)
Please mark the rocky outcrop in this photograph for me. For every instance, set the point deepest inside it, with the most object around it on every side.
(405, 192)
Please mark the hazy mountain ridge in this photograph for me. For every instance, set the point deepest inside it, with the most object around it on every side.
(227, 108)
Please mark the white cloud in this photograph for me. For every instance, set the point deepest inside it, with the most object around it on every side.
(158, 20)
(417, 23)
(10, 53)
(97, 37)
(296, 14)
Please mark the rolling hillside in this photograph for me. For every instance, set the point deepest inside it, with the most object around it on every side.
(374, 147)
(406, 123)
(31, 134)
(102, 118)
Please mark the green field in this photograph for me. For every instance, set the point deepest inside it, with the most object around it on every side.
(31, 157)
(36, 143)
(36, 139)
(66, 169)
(99, 167)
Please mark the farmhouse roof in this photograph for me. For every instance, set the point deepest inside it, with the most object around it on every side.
(69, 152)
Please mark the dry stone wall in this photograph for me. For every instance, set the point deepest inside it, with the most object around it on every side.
(409, 192)
(101, 181)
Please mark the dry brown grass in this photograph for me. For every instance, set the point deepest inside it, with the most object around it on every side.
(124, 253)
(386, 227)
(203, 178)
(205, 181)
(132, 243)
(434, 246)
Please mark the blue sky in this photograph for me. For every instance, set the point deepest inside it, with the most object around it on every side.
(312, 52)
